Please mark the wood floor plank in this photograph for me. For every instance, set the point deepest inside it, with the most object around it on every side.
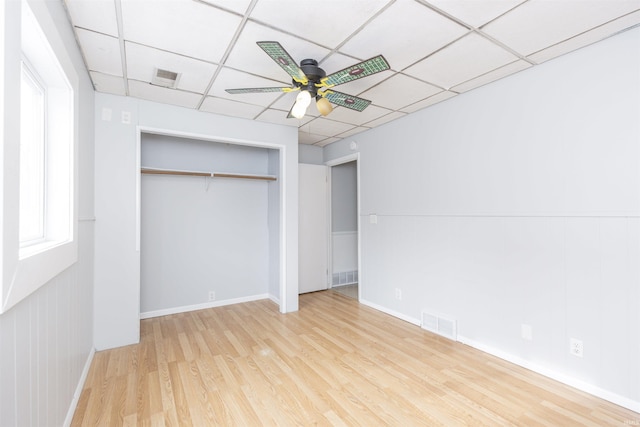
(334, 362)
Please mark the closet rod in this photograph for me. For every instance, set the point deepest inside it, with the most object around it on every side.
(207, 174)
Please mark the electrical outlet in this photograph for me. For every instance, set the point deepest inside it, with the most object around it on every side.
(398, 294)
(576, 347)
(212, 295)
(527, 332)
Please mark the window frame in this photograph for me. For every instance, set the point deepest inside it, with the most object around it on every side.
(36, 81)
(24, 270)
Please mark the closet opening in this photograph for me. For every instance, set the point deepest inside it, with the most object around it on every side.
(210, 229)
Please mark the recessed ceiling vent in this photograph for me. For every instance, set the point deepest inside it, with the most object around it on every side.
(165, 78)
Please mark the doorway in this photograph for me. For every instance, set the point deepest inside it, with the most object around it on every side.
(344, 259)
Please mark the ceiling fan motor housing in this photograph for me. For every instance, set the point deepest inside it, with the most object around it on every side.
(314, 73)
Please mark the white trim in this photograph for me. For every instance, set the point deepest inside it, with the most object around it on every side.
(393, 313)
(274, 299)
(79, 388)
(344, 159)
(283, 231)
(549, 373)
(187, 308)
(555, 375)
(139, 131)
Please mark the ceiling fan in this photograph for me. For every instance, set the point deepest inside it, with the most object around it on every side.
(313, 82)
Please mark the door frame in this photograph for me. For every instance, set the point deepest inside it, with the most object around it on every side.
(335, 162)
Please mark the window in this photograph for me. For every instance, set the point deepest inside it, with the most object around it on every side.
(32, 158)
(46, 144)
(38, 228)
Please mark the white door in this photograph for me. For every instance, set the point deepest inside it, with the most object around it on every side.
(312, 228)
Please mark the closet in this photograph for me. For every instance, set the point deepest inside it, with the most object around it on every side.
(209, 223)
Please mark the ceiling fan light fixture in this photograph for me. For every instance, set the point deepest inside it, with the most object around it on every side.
(302, 102)
(324, 106)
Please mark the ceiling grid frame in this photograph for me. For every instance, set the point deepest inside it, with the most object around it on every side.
(493, 22)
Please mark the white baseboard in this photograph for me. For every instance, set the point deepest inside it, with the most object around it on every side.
(275, 299)
(391, 312)
(79, 387)
(186, 308)
(554, 375)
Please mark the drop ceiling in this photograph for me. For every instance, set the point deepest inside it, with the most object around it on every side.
(437, 49)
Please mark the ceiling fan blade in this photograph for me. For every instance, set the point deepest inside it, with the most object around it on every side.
(345, 100)
(289, 115)
(284, 60)
(357, 71)
(260, 90)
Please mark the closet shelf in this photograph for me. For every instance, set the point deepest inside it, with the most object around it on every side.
(154, 171)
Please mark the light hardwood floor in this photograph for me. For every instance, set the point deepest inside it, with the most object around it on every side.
(350, 291)
(335, 362)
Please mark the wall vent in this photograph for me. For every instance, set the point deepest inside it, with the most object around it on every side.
(165, 78)
(345, 278)
(440, 325)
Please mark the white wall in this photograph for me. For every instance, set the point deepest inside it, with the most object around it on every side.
(518, 203)
(310, 154)
(46, 340)
(344, 197)
(117, 261)
(199, 234)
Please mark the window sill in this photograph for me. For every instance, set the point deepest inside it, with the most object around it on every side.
(38, 248)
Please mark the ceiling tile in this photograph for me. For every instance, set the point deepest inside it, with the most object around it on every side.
(352, 132)
(587, 38)
(326, 142)
(142, 61)
(399, 30)
(238, 6)
(310, 139)
(491, 76)
(439, 97)
(108, 84)
(463, 60)
(183, 26)
(248, 56)
(538, 24)
(289, 16)
(101, 52)
(475, 12)
(278, 117)
(162, 94)
(326, 127)
(399, 91)
(385, 119)
(358, 118)
(230, 108)
(94, 15)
